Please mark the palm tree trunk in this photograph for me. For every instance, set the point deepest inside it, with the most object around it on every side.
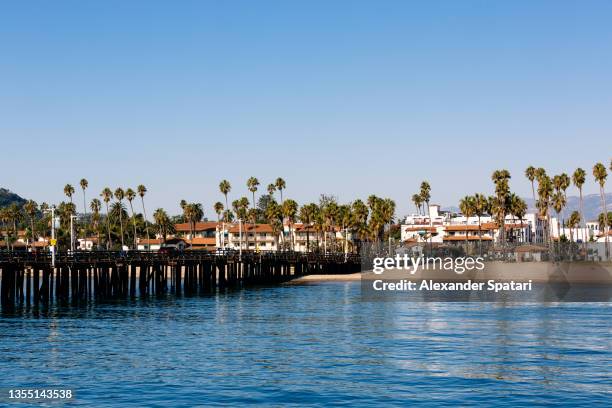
(134, 224)
(144, 211)
(109, 244)
(121, 225)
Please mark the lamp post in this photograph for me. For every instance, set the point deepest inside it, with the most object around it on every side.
(53, 242)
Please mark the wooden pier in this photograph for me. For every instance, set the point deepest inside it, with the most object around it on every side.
(30, 279)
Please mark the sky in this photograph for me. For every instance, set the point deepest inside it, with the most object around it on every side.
(349, 98)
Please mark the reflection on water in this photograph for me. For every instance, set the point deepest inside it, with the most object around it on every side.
(315, 344)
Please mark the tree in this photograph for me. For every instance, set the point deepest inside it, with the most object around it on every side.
(307, 215)
(289, 210)
(280, 186)
(106, 195)
(481, 207)
(69, 191)
(467, 205)
(518, 208)
(578, 178)
(218, 207)
(162, 223)
(425, 194)
(502, 189)
(274, 216)
(530, 173)
(31, 208)
(95, 206)
(252, 184)
(193, 213)
(131, 195)
(573, 222)
(84, 184)
(416, 199)
(558, 203)
(142, 190)
(545, 191)
(225, 187)
(600, 174)
(119, 195)
(271, 189)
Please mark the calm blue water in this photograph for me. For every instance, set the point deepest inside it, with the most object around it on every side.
(313, 345)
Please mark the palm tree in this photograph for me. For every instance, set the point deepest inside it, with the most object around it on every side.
(280, 186)
(69, 191)
(573, 222)
(558, 203)
(330, 214)
(225, 187)
(95, 206)
(31, 208)
(481, 207)
(518, 207)
(131, 195)
(119, 195)
(84, 184)
(142, 190)
(467, 205)
(306, 215)
(252, 184)
(545, 191)
(578, 178)
(271, 189)
(425, 194)
(274, 216)
(162, 223)
(600, 174)
(502, 189)
(530, 173)
(360, 214)
(218, 207)
(106, 195)
(289, 210)
(416, 199)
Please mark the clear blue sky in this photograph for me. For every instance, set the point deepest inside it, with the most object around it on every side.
(342, 97)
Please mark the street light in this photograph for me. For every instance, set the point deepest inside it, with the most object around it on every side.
(53, 241)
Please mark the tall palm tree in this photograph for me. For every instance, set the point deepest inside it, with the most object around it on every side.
(225, 187)
(107, 195)
(545, 192)
(467, 205)
(425, 194)
(289, 210)
(69, 191)
(95, 206)
(252, 184)
(530, 173)
(416, 199)
(31, 208)
(360, 214)
(142, 190)
(119, 196)
(502, 189)
(131, 195)
(84, 184)
(280, 186)
(578, 178)
(600, 174)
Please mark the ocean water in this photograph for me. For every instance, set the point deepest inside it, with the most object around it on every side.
(315, 345)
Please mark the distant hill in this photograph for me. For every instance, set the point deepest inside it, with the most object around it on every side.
(591, 203)
(7, 198)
